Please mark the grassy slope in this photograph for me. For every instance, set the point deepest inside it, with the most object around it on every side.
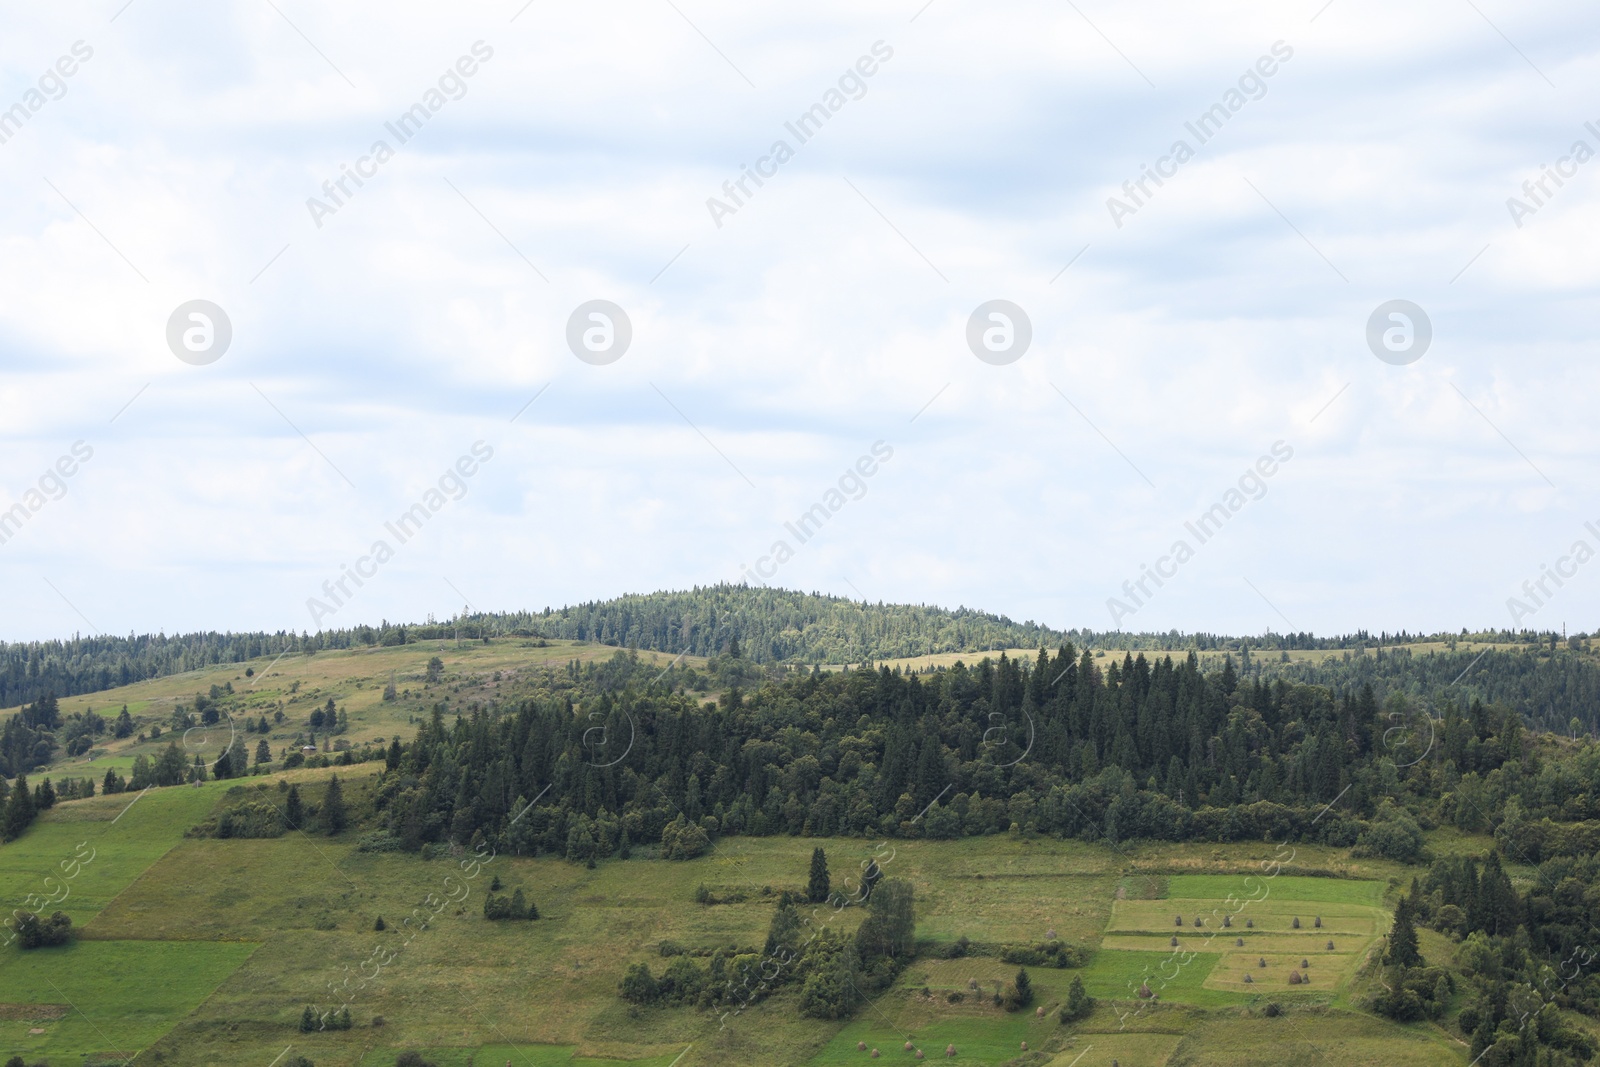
(544, 993)
(355, 679)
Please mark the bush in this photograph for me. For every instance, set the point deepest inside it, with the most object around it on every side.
(34, 932)
(413, 1059)
(378, 841)
(516, 906)
(1044, 954)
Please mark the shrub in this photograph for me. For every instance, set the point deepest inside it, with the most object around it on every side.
(412, 1059)
(34, 932)
(378, 841)
(957, 948)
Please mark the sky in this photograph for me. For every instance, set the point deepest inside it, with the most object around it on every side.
(956, 321)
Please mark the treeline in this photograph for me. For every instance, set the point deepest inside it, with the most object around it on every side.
(1551, 684)
(1057, 745)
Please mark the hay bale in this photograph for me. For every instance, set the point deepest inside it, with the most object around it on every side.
(1145, 993)
(1294, 977)
(1238, 942)
(949, 1050)
(1248, 979)
(1304, 964)
(1177, 920)
(861, 1046)
(1174, 942)
(1199, 922)
(1296, 923)
(909, 1046)
(919, 1054)
(876, 1053)
(1050, 935)
(1024, 1046)
(1330, 946)
(1249, 924)
(1261, 961)
(1317, 922)
(1227, 921)
(1038, 1013)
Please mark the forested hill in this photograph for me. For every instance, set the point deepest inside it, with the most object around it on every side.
(783, 626)
(1550, 683)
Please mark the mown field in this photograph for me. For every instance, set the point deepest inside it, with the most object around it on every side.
(201, 951)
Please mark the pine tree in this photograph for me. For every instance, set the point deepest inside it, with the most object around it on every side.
(294, 812)
(818, 887)
(1024, 987)
(1403, 938)
(308, 1020)
(20, 809)
(334, 816)
(1079, 1002)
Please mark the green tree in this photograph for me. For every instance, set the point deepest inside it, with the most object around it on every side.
(308, 1020)
(263, 752)
(435, 669)
(1079, 1003)
(294, 812)
(1403, 938)
(817, 888)
(19, 810)
(334, 815)
(639, 985)
(1023, 985)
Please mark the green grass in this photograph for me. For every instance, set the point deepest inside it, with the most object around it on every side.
(119, 836)
(1175, 977)
(117, 995)
(1283, 887)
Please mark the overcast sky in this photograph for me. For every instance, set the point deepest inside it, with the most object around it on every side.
(1178, 334)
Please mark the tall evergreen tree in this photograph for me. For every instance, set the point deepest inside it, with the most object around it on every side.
(19, 810)
(294, 812)
(818, 887)
(334, 815)
(1403, 937)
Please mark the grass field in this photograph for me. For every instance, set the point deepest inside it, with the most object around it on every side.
(107, 996)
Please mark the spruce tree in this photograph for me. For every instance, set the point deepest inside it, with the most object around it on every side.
(334, 816)
(818, 887)
(1024, 987)
(20, 810)
(1403, 938)
(294, 812)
